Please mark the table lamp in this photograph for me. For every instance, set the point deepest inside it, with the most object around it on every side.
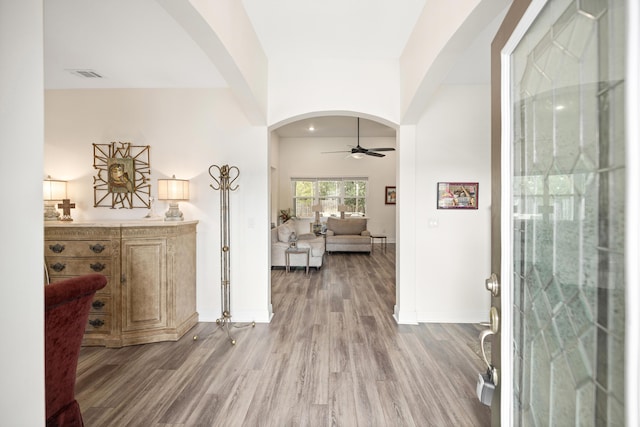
(316, 224)
(174, 190)
(342, 209)
(53, 190)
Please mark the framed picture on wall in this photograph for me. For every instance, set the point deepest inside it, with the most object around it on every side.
(457, 195)
(390, 195)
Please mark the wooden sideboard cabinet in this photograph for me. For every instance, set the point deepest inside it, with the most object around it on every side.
(151, 270)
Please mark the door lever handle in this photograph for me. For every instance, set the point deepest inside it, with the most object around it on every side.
(483, 335)
(494, 326)
(490, 368)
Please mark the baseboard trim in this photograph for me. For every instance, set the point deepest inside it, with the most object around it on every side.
(404, 317)
(238, 316)
(453, 317)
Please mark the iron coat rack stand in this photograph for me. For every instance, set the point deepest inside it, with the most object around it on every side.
(224, 182)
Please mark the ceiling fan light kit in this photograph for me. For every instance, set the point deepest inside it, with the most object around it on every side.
(358, 152)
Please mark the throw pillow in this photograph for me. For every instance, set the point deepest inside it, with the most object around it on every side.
(284, 231)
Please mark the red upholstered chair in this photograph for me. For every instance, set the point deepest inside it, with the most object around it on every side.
(67, 305)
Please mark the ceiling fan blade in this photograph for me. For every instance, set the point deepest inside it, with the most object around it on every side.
(372, 153)
(382, 149)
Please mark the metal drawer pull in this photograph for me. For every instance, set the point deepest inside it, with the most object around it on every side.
(57, 248)
(97, 304)
(97, 248)
(97, 266)
(96, 323)
(58, 267)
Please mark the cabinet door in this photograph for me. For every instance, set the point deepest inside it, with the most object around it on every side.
(144, 284)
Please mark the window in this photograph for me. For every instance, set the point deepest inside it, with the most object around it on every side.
(355, 195)
(303, 197)
(329, 196)
(330, 193)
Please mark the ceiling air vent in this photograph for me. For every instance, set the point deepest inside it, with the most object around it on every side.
(88, 74)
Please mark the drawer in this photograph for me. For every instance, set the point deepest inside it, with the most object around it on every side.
(62, 266)
(77, 248)
(104, 291)
(98, 324)
(101, 304)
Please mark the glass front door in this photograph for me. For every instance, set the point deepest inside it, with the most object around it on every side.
(567, 216)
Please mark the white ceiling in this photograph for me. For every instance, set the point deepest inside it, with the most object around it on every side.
(361, 29)
(137, 44)
(131, 43)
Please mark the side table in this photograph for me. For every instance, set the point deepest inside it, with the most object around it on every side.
(295, 250)
(383, 241)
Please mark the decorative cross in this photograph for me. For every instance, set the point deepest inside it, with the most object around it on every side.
(66, 207)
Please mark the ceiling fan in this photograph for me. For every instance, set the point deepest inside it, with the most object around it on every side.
(358, 152)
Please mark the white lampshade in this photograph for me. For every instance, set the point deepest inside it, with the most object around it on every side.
(173, 189)
(53, 189)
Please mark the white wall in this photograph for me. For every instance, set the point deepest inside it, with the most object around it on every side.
(188, 131)
(453, 257)
(302, 157)
(21, 253)
(298, 87)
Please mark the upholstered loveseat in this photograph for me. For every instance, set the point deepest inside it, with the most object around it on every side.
(280, 241)
(348, 235)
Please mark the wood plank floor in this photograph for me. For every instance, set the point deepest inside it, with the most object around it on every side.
(332, 356)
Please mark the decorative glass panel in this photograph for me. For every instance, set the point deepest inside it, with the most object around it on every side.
(568, 216)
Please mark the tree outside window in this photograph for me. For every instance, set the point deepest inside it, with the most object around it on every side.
(303, 198)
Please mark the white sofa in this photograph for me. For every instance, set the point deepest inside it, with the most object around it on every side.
(280, 236)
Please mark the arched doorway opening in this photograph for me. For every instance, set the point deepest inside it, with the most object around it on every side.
(317, 147)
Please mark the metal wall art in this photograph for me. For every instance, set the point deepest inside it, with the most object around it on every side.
(122, 180)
